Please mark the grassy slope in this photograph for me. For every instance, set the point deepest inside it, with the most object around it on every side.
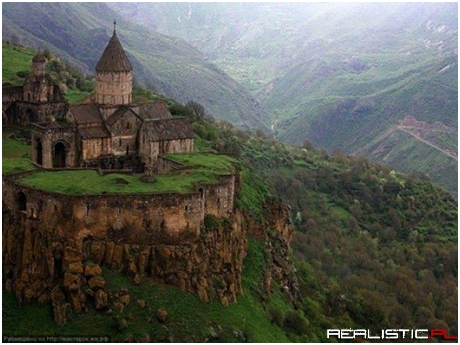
(405, 153)
(15, 59)
(84, 182)
(15, 154)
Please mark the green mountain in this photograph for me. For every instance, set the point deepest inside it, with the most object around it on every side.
(373, 249)
(339, 75)
(78, 33)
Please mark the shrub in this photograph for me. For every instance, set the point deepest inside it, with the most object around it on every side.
(276, 315)
(296, 322)
(211, 222)
(22, 74)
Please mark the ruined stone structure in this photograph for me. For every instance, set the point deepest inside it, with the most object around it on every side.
(38, 100)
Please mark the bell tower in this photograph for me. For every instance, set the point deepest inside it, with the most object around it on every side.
(114, 75)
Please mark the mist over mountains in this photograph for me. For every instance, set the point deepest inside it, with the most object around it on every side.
(342, 76)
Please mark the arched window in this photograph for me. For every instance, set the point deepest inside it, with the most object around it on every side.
(59, 155)
(38, 151)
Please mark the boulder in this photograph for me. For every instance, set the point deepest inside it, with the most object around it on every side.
(100, 299)
(125, 299)
(96, 282)
(92, 270)
(70, 278)
(162, 315)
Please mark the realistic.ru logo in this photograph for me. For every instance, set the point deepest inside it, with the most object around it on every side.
(390, 334)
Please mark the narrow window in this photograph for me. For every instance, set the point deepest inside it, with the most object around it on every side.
(22, 201)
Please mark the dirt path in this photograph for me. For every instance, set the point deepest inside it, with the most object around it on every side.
(454, 156)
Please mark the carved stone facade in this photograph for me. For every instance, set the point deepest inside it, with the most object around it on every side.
(54, 145)
(38, 100)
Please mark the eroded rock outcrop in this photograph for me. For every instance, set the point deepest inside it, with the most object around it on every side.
(63, 262)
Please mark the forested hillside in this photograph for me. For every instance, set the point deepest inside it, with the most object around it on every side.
(375, 248)
(340, 75)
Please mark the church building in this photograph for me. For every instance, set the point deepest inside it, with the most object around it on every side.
(110, 132)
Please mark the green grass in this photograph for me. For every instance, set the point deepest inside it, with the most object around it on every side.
(209, 161)
(74, 96)
(189, 319)
(89, 182)
(204, 168)
(15, 155)
(15, 59)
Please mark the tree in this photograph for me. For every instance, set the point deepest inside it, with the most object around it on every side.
(197, 112)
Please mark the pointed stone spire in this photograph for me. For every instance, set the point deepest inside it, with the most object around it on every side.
(114, 58)
(114, 75)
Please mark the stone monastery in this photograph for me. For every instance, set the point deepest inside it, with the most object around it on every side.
(109, 132)
(55, 243)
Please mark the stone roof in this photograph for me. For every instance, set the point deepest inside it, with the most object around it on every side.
(153, 111)
(168, 129)
(118, 114)
(114, 58)
(86, 113)
(94, 132)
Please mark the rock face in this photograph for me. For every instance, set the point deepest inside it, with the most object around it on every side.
(59, 262)
(37, 262)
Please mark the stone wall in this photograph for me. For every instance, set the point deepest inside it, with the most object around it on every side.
(151, 150)
(93, 148)
(219, 199)
(124, 133)
(52, 243)
(22, 114)
(141, 218)
(114, 88)
(165, 165)
(44, 142)
(11, 93)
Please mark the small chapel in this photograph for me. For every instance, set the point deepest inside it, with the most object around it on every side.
(109, 131)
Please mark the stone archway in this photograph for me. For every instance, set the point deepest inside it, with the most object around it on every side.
(59, 155)
(38, 151)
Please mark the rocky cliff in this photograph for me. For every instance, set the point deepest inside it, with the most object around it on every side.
(42, 262)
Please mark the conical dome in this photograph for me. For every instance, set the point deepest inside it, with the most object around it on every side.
(114, 58)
